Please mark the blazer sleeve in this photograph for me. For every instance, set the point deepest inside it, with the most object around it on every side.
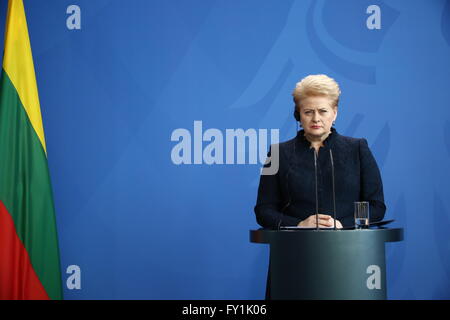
(270, 202)
(371, 184)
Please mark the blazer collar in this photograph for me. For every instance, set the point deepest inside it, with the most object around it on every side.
(327, 142)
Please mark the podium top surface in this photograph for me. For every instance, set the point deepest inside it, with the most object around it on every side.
(381, 234)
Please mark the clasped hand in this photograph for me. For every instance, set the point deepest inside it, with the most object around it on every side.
(325, 221)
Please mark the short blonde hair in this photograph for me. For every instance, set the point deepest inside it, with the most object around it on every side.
(316, 85)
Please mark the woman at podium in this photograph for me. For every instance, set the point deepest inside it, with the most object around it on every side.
(319, 170)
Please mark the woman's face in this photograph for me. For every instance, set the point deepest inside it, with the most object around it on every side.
(317, 115)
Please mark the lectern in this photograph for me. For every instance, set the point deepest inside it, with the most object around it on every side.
(327, 264)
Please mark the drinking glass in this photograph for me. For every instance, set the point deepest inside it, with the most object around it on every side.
(362, 214)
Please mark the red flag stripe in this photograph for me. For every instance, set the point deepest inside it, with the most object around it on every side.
(17, 276)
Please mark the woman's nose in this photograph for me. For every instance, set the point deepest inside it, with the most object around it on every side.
(316, 117)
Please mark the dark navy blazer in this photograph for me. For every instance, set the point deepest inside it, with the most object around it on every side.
(288, 197)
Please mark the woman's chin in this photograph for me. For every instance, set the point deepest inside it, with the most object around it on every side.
(315, 133)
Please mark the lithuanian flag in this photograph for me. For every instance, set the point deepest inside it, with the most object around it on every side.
(29, 257)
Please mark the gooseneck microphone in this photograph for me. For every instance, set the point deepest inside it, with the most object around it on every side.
(334, 193)
(317, 200)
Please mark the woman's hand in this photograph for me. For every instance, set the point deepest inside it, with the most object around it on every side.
(325, 221)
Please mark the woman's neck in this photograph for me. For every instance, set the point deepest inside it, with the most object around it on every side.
(317, 141)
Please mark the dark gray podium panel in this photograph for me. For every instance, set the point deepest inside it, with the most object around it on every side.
(327, 264)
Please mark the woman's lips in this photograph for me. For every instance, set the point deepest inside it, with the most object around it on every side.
(315, 127)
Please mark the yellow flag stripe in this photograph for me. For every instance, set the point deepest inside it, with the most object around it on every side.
(18, 64)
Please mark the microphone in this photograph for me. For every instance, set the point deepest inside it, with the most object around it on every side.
(317, 201)
(334, 193)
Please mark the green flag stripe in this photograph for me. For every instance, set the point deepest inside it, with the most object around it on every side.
(25, 188)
